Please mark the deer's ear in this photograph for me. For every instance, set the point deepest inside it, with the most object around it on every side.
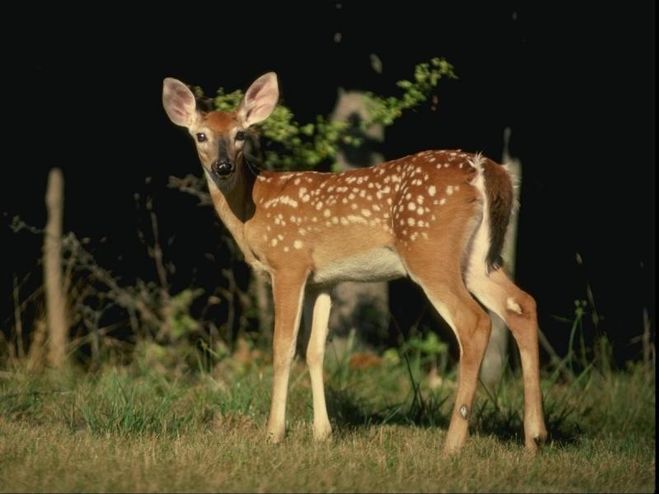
(179, 102)
(259, 100)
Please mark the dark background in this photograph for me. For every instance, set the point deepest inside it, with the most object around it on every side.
(82, 91)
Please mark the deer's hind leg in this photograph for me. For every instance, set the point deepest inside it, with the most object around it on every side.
(518, 309)
(437, 268)
(471, 326)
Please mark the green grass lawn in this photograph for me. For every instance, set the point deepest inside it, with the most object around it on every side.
(136, 430)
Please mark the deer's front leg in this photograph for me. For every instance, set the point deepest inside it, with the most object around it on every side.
(287, 291)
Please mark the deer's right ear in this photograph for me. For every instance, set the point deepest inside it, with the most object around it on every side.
(179, 102)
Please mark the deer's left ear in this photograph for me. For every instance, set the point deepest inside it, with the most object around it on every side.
(259, 100)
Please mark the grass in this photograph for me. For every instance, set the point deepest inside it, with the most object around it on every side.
(123, 429)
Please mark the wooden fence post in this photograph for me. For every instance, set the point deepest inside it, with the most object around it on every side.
(52, 271)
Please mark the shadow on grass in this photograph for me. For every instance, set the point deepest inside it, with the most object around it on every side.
(349, 413)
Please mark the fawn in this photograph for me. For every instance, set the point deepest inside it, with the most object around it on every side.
(439, 217)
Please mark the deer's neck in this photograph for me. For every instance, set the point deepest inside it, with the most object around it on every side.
(235, 207)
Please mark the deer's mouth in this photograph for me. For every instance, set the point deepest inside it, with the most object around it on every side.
(222, 177)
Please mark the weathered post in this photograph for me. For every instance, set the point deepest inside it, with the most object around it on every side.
(52, 270)
(496, 353)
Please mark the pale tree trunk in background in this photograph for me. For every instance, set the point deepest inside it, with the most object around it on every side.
(496, 354)
(36, 355)
(360, 306)
(52, 270)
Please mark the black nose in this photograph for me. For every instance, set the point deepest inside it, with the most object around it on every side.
(222, 167)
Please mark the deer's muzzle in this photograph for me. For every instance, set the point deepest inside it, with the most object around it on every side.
(223, 168)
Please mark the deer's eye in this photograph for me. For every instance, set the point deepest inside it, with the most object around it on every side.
(201, 137)
(240, 135)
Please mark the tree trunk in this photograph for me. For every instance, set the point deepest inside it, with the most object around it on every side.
(52, 271)
(360, 306)
(496, 354)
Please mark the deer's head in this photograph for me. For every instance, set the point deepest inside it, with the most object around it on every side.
(220, 136)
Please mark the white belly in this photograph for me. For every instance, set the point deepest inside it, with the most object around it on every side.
(379, 264)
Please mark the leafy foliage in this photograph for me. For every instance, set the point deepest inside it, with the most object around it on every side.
(290, 144)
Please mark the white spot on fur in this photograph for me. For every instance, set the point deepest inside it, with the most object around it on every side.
(298, 244)
(356, 219)
(513, 306)
(432, 190)
(271, 202)
(288, 201)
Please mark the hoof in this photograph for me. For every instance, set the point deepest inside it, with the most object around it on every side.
(451, 449)
(322, 435)
(536, 441)
(275, 438)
